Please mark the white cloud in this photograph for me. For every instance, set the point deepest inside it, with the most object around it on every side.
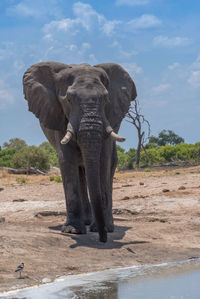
(86, 46)
(144, 22)
(93, 59)
(35, 8)
(123, 53)
(173, 66)
(71, 47)
(132, 2)
(6, 95)
(196, 63)
(161, 88)
(48, 37)
(132, 68)
(85, 18)
(194, 79)
(61, 25)
(194, 74)
(166, 41)
(109, 26)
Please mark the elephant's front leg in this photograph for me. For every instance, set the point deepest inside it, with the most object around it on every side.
(68, 159)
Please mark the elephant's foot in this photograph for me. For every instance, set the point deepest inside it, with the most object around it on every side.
(87, 216)
(93, 227)
(109, 227)
(73, 228)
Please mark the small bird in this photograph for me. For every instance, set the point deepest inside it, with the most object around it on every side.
(19, 269)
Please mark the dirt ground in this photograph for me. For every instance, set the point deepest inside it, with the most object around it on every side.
(156, 214)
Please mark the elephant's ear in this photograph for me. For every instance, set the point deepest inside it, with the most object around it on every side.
(40, 92)
(121, 92)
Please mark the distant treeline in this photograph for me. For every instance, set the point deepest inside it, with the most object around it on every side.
(17, 154)
(159, 155)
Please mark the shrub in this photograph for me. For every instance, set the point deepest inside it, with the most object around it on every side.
(55, 178)
(53, 158)
(21, 180)
(31, 156)
(6, 157)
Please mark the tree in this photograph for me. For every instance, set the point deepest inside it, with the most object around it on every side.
(142, 126)
(31, 156)
(53, 158)
(15, 143)
(166, 137)
(6, 157)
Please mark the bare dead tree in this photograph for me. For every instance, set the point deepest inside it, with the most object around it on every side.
(142, 126)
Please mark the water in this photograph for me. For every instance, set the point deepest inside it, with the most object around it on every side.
(165, 281)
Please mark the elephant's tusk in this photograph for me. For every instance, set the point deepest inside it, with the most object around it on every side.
(117, 137)
(66, 138)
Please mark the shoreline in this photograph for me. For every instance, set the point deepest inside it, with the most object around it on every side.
(112, 275)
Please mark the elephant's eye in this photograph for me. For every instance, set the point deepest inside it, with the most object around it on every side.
(69, 97)
(70, 79)
(105, 81)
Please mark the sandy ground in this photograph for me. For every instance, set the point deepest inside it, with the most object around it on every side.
(156, 218)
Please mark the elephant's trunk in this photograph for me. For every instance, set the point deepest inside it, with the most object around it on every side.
(91, 143)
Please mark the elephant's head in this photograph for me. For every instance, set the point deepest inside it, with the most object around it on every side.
(87, 104)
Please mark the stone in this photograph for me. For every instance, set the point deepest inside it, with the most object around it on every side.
(165, 190)
(181, 188)
(125, 198)
(2, 219)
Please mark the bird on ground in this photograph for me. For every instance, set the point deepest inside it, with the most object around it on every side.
(19, 269)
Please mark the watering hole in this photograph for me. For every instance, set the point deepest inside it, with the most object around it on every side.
(167, 281)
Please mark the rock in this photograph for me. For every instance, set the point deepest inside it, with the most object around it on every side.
(141, 183)
(125, 198)
(46, 280)
(181, 188)
(54, 170)
(2, 219)
(1, 188)
(165, 190)
(177, 172)
(19, 200)
(126, 185)
(49, 213)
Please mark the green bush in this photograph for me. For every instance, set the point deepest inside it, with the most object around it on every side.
(6, 157)
(31, 156)
(53, 158)
(158, 155)
(21, 180)
(55, 178)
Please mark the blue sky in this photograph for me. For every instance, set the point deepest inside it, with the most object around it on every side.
(156, 41)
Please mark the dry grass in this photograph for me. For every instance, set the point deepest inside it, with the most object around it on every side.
(10, 179)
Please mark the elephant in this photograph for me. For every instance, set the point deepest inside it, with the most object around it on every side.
(80, 108)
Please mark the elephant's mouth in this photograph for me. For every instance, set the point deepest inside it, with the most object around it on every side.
(92, 124)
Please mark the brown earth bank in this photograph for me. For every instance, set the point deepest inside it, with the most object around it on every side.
(156, 215)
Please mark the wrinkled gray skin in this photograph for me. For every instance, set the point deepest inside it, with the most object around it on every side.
(81, 106)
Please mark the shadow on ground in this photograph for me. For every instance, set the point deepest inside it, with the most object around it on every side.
(91, 239)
